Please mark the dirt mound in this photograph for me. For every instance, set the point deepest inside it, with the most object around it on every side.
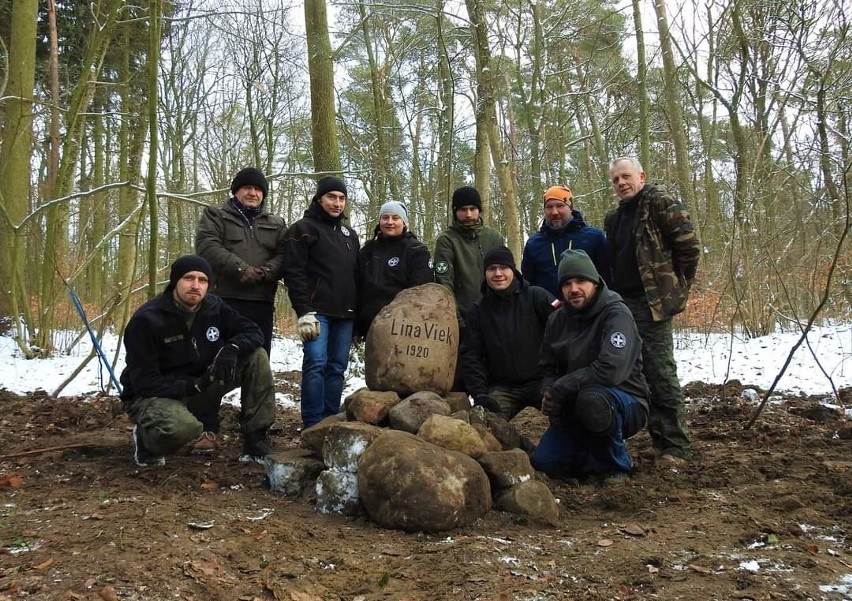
(763, 513)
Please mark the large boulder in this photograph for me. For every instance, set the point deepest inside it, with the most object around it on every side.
(413, 342)
(453, 434)
(410, 413)
(292, 471)
(409, 484)
(531, 498)
(370, 406)
(345, 443)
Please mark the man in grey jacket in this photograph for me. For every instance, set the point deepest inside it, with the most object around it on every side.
(593, 389)
(244, 244)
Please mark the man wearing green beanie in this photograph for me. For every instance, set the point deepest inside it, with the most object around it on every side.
(593, 389)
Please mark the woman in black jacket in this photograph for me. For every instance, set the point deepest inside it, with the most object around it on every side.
(392, 261)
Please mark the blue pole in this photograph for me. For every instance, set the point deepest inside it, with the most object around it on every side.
(101, 355)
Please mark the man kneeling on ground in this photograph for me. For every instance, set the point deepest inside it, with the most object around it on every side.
(593, 389)
(184, 351)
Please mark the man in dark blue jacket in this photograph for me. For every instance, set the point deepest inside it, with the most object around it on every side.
(504, 333)
(594, 390)
(184, 351)
(563, 229)
(321, 273)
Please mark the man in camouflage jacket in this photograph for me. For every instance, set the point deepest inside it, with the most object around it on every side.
(654, 256)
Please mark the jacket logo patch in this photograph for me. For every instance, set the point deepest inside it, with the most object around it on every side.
(212, 333)
(618, 340)
(442, 267)
(393, 261)
(345, 231)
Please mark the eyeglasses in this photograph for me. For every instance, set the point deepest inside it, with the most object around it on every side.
(496, 268)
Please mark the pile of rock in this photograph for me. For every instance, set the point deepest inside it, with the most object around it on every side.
(425, 462)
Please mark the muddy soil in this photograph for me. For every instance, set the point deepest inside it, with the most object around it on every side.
(764, 513)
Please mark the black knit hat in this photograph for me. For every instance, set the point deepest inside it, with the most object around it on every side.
(250, 177)
(499, 256)
(183, 265)
(577, 264)
(465, 196)
(329, 183)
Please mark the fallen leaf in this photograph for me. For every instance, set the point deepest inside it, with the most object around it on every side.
(209, 486)
(699, 569)
(44, 565)
(393, 552)
(260, 535)
(633, 529)
(11, 480)
(653, 570)
(813, 549)
(605, 542)
(201, 525)
(107, 593)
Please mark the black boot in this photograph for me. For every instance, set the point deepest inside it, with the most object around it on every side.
(256, 447)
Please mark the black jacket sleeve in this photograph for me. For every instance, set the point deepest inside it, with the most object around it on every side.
(143, 375)
(297, 244)
(419, 269)
(619, 347)
(473, 364)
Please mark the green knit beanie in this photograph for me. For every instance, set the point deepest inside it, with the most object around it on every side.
(577, 264)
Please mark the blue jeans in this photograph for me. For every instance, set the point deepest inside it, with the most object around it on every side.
(323, 369)
(569, 450)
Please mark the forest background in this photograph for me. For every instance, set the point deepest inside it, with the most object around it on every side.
(119, 122)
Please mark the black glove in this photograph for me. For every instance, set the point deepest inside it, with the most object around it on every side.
(252, 275)
(224, 366)
(201, 383)
(486, 402)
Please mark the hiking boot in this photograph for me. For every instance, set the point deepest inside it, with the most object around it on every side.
(256, 447)
(614, 479)
(206, 444)
(142, 456)
(669, 460)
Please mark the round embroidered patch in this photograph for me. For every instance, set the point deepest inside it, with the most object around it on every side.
(212, 333)
(393, 261)
(618, 340)
(345, 231)
(442, 267)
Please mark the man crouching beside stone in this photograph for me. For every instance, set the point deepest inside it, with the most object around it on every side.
(593, 388)
(184, 351)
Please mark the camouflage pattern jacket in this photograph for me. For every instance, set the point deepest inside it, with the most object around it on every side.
(667, 250)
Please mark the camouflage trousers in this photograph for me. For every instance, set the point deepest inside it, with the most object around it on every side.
(514, 397)
(165, 425)
(667, 416)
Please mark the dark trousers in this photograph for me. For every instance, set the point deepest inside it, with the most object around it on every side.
(667, 418)
(567, 449)
(165, 425)
(260, 312)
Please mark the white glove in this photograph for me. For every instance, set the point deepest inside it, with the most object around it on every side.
(309, 327)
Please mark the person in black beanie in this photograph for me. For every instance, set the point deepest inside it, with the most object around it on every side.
(245, 245)
(503, 337)
(321, 273)
(460, 248)
(184, 350)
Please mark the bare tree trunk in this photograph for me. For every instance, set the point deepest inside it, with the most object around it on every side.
(487, 91)
(642, 87)
(673, 108)
(15, 154)
(321, 70)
